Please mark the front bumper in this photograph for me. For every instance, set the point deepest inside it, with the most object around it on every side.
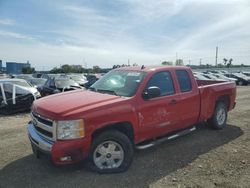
(60, 152)
(37, 141)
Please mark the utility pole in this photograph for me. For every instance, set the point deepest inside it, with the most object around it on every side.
(200, 62)
(85, 64)
(128, 63)
(216, 56)
(176, 57)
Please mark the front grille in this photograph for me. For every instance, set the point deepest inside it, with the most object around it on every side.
(44, 132)
(43, 120)
(44, 126)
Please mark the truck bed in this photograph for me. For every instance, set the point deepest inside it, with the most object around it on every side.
(211, 92)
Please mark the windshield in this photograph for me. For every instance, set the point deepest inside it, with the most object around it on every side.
(38, 81)
(77, 78)
(119, 82)
(21, 83)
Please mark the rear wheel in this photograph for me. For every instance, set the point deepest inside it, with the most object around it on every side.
(111, 152)
(219, 118)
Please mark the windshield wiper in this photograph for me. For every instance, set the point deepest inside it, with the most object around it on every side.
(107, 91)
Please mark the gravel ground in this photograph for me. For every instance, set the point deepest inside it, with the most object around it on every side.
(204, 158)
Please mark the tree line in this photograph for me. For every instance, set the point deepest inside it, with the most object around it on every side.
(96, 69)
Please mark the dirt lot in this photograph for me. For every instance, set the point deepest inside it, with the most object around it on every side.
(204, 158)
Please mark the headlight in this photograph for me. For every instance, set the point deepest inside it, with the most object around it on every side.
(71, 129)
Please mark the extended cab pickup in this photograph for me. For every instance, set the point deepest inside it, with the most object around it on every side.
(132, 107)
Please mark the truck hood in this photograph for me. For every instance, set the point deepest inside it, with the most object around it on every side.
(60, 106)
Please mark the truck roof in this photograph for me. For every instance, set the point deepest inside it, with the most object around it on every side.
(152, 68)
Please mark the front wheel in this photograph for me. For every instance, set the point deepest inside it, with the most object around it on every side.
(219, 118)
(111, 152)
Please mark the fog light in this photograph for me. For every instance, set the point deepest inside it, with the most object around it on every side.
(66, 158)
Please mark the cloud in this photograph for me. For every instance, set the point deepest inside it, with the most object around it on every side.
(7, 22)
(15, 35)
(84, 14)
(152, 10)
(46, 56)
(144, 31)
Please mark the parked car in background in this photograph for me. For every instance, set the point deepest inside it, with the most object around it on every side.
(16, 95)
(80, 79)
(221, 76)
(57, 85)
(199, 76)
(22, 76)
(241, 78)
(224, 71)
(37, 75)
(48, 76)
(4, 76)
(23, 83)
(211, 76)
(91, 78)
(246, 73)
(37, 82)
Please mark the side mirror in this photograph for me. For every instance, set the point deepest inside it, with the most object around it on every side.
(151, 92)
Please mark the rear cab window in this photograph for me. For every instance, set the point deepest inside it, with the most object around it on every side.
(184, 80)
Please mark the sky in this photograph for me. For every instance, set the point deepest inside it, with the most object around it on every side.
(107, 32)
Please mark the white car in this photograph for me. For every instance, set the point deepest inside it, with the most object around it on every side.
(16, 95)
(199, 76)
(221, 76)
(212, 77)
(23, 84)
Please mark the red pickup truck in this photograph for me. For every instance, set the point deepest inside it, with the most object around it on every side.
(132, 107)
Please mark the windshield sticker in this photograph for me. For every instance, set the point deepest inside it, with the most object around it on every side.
(134, 74)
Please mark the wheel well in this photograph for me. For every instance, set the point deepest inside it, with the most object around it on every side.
(124, 127)
(225, 99)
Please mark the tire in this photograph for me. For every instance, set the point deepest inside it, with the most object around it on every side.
(111, 152)
(219, 118)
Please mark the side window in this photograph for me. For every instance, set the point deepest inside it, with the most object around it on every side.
(47, 83)
(8, 90)
(51, 83)
(184, 80)
(164, 81)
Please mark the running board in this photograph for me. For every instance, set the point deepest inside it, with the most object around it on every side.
(160, 140)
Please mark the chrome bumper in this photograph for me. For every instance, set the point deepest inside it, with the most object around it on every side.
(37, 140)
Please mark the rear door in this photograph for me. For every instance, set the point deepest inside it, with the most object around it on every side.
(160, 115)
(189, 98)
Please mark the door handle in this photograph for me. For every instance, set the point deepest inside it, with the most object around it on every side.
(173, 101)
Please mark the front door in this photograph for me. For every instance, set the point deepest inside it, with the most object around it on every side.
(159, 115)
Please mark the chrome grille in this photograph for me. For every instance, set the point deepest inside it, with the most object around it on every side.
(44, 127)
